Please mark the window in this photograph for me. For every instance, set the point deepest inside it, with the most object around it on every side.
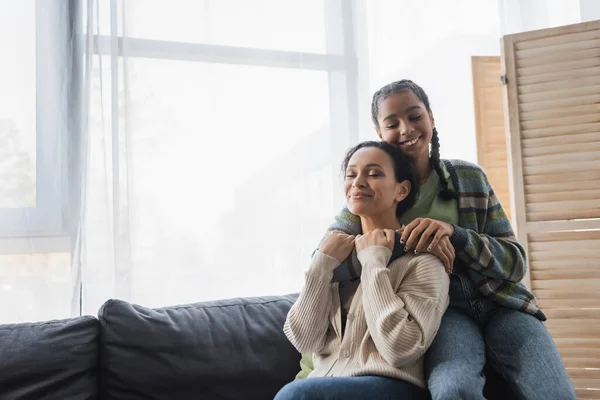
(33, 122)
(235, 120)
(161, 102)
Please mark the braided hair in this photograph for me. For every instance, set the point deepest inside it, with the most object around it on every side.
(434, 157)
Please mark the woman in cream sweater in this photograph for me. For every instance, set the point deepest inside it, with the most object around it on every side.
(369, 336)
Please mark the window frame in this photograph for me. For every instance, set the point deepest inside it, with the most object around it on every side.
(42, 228)
(51, 225)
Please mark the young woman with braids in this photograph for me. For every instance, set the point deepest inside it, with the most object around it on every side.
(492, 317)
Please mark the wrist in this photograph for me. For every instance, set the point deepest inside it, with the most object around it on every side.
(459, 238)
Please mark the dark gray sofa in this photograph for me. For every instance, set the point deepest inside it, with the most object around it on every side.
(228, 349)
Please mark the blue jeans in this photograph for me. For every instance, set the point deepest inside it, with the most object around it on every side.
(516, 344)
(349, 388)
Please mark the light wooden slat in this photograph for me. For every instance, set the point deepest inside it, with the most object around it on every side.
(581, 363)
(561, 130)
(571, 312)
(556, 86)
(580, 383)
(563, 253)
(569, 294)
(580, 353)
(563, 121)
(579, 138)
(562, 93)
(562, 158)
(558, 38)
(557, 303)
(565, 236)
(574, 63)
(579, 343)
(562, 215)
(563, 196)
(561, 149)
(570, 186)
(553, 226)
(587, 285)
(581, 244)
(583, 394)
(556, 76)
(561, 167)
(564, 269)
(559, 103)
(557, 179)
(560, 112)
(558, 57)
(565, 48)
(578, 324)
(571, 273)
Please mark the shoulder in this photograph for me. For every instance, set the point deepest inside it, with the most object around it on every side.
(470, 175)
(462, 165)
(419, 267)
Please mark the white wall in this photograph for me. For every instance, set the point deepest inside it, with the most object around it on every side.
(432, 41)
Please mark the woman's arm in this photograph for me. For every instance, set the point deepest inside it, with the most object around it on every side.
(403, 321)
(348, 223)
(491, 249)
(308, 320)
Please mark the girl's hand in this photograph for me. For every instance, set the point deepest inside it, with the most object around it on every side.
(424, 234)
(338, 245)
(378, 237)
(445, 252)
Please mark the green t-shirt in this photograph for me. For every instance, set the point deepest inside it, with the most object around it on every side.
(427, 205)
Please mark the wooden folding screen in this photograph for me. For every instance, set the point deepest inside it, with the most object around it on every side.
(552, 99)
(489, 125)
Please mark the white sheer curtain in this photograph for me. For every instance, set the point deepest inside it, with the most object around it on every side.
(176, 151)
(209, 168)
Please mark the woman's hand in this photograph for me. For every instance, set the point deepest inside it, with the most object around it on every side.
(338, 245)
(424, 234)
(378, 237)
(445, 252)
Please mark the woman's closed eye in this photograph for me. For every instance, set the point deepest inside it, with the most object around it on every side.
(416, 117)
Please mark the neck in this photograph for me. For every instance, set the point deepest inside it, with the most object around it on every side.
(423, 168)
(384, 221)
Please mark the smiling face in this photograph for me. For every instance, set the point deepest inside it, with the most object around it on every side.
(370, 184)
(404, 121)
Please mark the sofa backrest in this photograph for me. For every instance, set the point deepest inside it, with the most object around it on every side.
(228, 349)
(50, 360)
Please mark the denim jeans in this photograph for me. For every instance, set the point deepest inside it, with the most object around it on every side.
(350, 388)
(476, 330)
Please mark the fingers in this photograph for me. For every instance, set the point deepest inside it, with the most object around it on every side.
(416, 234)
(450, 257)
(425, 238)
(390, 237)
(408, 229)
(447, 248)
(443, 256)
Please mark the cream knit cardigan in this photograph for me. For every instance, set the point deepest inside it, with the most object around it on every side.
(392, 320)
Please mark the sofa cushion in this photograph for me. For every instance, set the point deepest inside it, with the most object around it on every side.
(50, 360)
(227, 349)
